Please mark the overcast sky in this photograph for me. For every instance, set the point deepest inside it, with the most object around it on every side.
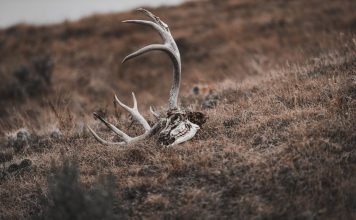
(53, 11)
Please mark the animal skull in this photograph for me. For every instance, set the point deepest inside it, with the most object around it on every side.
(175, 126)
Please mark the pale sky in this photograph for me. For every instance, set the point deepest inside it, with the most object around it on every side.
(54, 11)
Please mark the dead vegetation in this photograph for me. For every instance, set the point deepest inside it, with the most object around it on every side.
(279, 142)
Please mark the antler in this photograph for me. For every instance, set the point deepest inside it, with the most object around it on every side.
(177, 127)
(169, 46)
(171, 49)
(126, 138)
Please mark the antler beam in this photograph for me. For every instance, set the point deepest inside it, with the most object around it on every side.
(169, 46)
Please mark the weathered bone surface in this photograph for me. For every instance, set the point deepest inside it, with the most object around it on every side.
(175, 126)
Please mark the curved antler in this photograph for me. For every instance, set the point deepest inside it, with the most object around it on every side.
(176, 125)
(169, 46)
(126, 138)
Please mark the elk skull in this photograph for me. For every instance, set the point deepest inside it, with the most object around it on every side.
(175, 126)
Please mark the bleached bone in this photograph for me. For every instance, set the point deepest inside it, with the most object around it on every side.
(176, 126)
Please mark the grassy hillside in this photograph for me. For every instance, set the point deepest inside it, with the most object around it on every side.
(279, 142)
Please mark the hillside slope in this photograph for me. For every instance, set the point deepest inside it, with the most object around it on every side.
(279, 142)
(219, 41)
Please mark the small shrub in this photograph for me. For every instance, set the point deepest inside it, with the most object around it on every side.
(25, 165)
(5, 157)
(56, 134)
(19, 140)
(13, 168)
(68, 198)
(29, 80)
(43, 66)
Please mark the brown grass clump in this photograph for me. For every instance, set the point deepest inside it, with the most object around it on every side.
(279, 142)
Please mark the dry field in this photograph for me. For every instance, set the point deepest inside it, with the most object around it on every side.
(280, 141)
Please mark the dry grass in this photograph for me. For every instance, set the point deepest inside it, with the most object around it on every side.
(279, 144)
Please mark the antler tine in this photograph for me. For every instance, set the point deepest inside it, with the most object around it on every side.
(169, 46)
(134, 100)
(117, 131)
(155, 114)
(154, 18)
(134, 112)
(147, 49)
(102, 141)
(148, 14)
(131, 141)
